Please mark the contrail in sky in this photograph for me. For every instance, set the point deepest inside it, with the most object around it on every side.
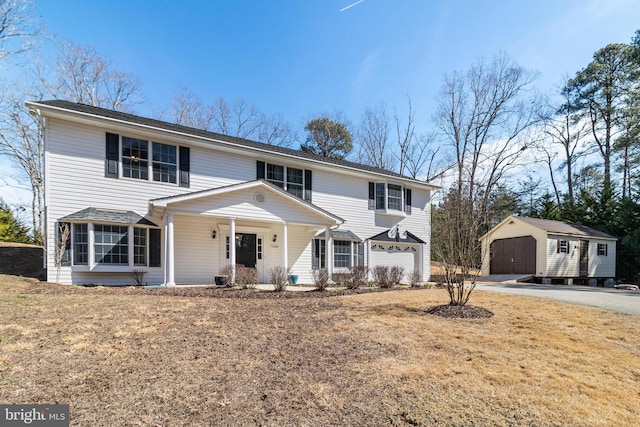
(351, 5)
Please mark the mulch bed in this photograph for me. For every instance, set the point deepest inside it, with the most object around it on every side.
(460, 311)
(197, 291)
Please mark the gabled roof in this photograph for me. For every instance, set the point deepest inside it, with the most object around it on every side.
(163, 202)
(392, 235)
(212, 137)
(561, 227)
(107, 215)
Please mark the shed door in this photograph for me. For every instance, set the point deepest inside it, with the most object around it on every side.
(584, 258)
(516, 255)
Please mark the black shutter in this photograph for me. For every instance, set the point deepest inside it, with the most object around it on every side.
(372, 195)
(154, 247)
(307, 185)
(113, 153)
(407, 201)
(260, 167)
(185, 166)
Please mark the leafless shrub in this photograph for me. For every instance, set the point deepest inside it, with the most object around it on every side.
(321, 279)
(279, 278)
(358, 277)
(64, 233)
(396, 273)
(342, 279)
(137, 276)
(415, 278)
(381, 276)
(246, 277)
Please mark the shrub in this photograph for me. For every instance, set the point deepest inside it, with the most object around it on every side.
(342, 279)
(137, 276)
(321, 279)
(396, 273)
(358, 277)
(415, 278)
(279, 278)
(246, 277)
(381, 276)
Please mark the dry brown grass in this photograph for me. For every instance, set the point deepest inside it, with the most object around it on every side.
(371, 359)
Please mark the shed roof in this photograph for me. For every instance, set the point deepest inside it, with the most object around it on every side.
(561, 227)
(106, 215)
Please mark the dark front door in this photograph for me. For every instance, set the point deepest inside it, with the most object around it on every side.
(246, 249)
(584, 258)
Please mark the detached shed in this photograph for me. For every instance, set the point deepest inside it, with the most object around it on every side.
(548, 249)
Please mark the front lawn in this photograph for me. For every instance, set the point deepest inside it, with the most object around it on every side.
(143, 358)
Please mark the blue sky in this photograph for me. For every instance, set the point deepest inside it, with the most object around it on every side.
(304, 57)
(301, 57)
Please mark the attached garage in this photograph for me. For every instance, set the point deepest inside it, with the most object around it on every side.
(395, 248)
(516, 255)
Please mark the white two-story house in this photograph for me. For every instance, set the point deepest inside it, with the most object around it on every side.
(180, 204)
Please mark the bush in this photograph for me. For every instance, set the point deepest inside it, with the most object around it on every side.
(358, 277)
(246, 277)
(415, 278)
(396, 273)
(279, 278)
(321, 279)
(342, 279)
(137, 276)
(381, 276)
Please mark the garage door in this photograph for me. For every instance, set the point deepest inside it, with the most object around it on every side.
(516, 255)
(390, 254)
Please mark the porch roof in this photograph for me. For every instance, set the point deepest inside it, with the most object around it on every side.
(259, 184)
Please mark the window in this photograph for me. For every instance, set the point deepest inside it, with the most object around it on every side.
(603, 249)
(80, 244)
(563, 247)
(111, 245)
(141, 159)
(294, 181)
(358, 253)
(389, 197)
(394, 198)
(341, 253)
(139, 246)
(318, 254)
(164, 163)
(63, 244)
(135, 158)
(275, 174)
(259, 248)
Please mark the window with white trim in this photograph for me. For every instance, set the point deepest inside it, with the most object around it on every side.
(341, 253)
(139, 246)
(165, 163)
(563, 247)
(389, 197)
(135, 158)
(275, 174)
(318, 254)
(80, 244)
(111, 244)
(603, 249)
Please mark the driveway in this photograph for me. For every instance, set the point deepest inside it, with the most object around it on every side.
(606, 298)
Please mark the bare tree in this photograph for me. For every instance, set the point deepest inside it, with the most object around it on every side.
(239, 119)
(484, 114)
(405, 136)
(374, 148)
(64, 233)
(18, 31)
(86, 77)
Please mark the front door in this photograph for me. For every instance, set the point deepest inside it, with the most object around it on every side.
(246, 249)
(584, 258)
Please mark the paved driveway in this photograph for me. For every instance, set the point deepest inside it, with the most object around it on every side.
(606, 298)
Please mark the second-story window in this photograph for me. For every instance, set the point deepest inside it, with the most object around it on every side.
(164, 163)
(293, 180)
(275, 174)
(389, 197)
(135, 158)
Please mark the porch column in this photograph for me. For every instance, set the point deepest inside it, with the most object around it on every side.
(232, 248)
(285, 246)
(170, 251)
(328, 250)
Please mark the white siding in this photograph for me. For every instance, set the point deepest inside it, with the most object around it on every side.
(563, 264)
(602, 265)
(75, 180)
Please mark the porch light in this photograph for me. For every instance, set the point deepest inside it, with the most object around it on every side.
(275, 237)
(213, 234)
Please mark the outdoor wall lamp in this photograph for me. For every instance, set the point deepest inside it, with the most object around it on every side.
(275, 237)
(213, 234)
